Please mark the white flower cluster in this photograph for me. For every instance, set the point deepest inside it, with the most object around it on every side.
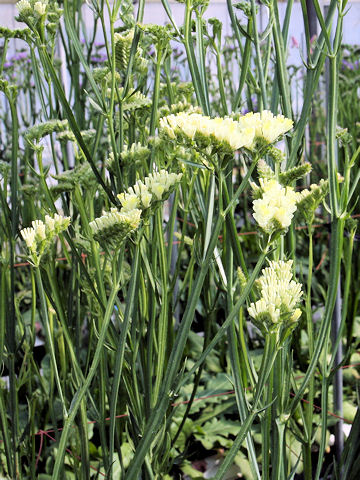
(237, 134)
(40, 236)
(279, 296)
(28, 7)
(266, 126)
(40, 8)
(153, 188)
(276, 207)
(114, 226)
(222, 129)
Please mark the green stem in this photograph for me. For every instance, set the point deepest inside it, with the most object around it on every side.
(163, 319)
(245, 64)
(310, 331)
(193, 67)
(282, 76)
(49, 337)
(347, 265)
(331, 136)
(269, 356)
(259, 58)
(337, 230)
(155, 100)
(11, 318)
(75, 404)
(240, 396)
(120, 351)
(266, 430)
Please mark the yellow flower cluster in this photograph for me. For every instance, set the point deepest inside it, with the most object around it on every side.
(40, 235)
(266, 126)
(222, 129)
(237, 134)
(113, 227)
(276, 207)
(154, 187)
(279, 296)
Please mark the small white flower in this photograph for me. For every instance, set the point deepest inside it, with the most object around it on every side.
(50, 223)
(146, 198)
(129, 201)
(24, 7)
(267, 126)
(276, 207)
(279, 295)
(39, 237)
(132, 218)
(40, 230)
(61, 223)
(154, 187)
(158, 189)
(28, 234)
(40, 8)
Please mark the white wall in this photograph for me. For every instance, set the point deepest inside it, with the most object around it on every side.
(155, 13)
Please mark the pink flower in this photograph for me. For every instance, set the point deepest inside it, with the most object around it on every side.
(294, 43)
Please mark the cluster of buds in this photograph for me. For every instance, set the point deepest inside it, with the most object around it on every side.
(39, 237)
(274, 206)
(39, 13)
(154, 188)
(179, 107)
(82, 175)
(310, 199)
(122, 45)
(112, 228)
(136, 155)
(279, 298)
(247, 131)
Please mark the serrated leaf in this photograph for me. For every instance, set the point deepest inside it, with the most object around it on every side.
(217, 431)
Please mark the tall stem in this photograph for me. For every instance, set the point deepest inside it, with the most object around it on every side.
(75, 404)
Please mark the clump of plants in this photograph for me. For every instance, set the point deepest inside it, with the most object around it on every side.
(168, 287)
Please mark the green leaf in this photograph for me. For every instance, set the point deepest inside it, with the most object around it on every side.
(217, 431)
(95, 105)
(186, 431)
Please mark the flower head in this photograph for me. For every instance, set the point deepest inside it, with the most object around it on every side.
(155, 187)
(267, 126)
(40, 8)
(113, 227)
(276, 206)
(39, 237)
(129, 201)
(193, 125)
(28, 234)
(40, 231)
(24, 7)
(279, 297)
